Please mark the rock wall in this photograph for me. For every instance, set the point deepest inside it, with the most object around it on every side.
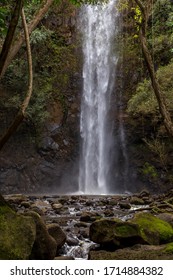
(44, 159)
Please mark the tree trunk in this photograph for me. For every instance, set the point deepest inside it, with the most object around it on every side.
(21, 38)
(10, 35)
(21, 114)
(145, 9)
(159, 96)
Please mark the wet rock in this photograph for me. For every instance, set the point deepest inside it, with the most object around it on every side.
(37, 210)
(17, 234)
(147, 200)
(81, 224)
(153, 230)
(136, 200)
(41, 204)
(48, 144)
(88, 217)
(25, 204)
(124, 205)
(45, 246)
(108, 213)
(144, 193)
(84, 232)
(115, 233)
(57, 206)
(167, 217)
(113, 202)
(72, 241)
(16, 198)
(137, 252)
(57, 233)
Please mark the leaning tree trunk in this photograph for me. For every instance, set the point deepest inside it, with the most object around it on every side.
(21, 38)
(145, 10)
(21, 113)
(159, 95)
(9, 37)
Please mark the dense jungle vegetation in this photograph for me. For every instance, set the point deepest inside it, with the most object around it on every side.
(146, 33)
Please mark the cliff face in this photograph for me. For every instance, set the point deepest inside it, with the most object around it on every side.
(41, 156)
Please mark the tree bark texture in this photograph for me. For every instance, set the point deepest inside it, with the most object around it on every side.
(150, 66)
(21, 113)
(10, 35)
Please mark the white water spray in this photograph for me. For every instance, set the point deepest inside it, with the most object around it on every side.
(99, 30)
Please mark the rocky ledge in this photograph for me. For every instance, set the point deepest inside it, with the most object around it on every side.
(138, 226)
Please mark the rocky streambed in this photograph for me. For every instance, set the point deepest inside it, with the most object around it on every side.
(138, 226)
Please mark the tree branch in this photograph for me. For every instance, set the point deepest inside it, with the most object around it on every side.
(21, 38)
(21, 113)
(10, 35)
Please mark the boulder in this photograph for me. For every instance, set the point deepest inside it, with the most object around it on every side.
(137, 252)
(89, 217)
(114, 232)
(124, 205)
(167, 217)
(72, 241)
(57, 233)
(136, 200)
(153, 230)
(17, 234)
(144, 193)
(16, 198)
(45, 246)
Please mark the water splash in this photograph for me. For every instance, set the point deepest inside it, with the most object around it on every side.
(99, 30)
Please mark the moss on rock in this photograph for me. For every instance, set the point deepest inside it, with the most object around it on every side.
(153, 230)
(45, 246)
(137, 252)
(17, 234)
(115, 232)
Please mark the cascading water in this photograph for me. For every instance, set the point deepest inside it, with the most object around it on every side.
(99, 30)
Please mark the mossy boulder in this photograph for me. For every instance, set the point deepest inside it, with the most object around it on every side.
(137, 252)
(136, 200)
(17, 234)
(114, 232)
(45, 246)
(167, 217)
(57, 233)
(153, 230)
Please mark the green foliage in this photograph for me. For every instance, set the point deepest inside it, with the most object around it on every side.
(144, 101)
(54, 63)
(149, 171)
(40, 35)
(160, 35)
(3, 13)
(137, 16)
(158, 147)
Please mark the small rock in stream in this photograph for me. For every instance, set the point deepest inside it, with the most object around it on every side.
(72, 241)
(124, 205)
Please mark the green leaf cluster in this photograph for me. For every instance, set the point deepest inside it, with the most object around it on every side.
(144, 101)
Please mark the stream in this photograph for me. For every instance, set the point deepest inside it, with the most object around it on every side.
(75, 213)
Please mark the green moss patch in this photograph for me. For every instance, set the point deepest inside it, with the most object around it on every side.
(17, 235)
(153, 230)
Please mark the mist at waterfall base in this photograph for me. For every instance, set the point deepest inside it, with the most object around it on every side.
(99, 150)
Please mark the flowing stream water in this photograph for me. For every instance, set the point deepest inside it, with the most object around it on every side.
(99, 28)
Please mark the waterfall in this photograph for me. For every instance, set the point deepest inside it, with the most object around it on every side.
(99, 30)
